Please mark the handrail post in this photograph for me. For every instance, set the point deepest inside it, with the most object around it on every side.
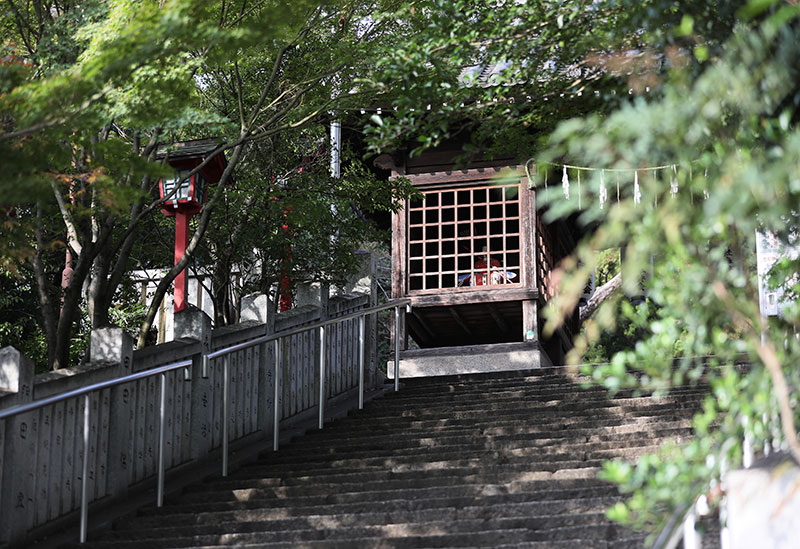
(162, 414)
(87, 402)
(397, 348)
(362, 330)
(226, 410)
(691, 538)
(321, 376)
(276, 418)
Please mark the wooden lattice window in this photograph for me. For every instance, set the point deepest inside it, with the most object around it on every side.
(464, 238)
(544, 259)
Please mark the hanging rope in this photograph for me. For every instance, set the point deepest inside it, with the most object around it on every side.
(603, 197)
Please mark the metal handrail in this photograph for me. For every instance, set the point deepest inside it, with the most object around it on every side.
(278, 336)
(185, 364)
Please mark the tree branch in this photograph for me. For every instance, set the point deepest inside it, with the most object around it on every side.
(769, 356)
(600, 295)
(72, 232)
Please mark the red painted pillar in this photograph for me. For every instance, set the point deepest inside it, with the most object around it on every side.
(286, 283)
(181, 241)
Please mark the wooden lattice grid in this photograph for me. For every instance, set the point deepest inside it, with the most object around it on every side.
(464, 237)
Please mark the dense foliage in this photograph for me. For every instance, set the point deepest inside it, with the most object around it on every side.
(731, 132)
(710, 88)
(90, 90)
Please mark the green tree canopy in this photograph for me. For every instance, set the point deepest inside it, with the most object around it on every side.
(89, 91)
(730, 131)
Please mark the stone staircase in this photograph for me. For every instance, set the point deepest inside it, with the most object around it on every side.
(497, 460)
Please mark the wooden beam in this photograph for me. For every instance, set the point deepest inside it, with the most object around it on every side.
(479, 174)
(460, 321)
(498, 318)
(464, 296)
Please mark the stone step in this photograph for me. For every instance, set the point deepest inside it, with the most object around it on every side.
(383, 480)
(455, 456)
(433, 388)
(515, 406)
(358, 426)
(470, 539)
(305, 530)
(284, 509)
(362, 494)
(487, 402)
(532, 394)
(391, 513)
(489, 470)
(541, 507)
(547, 441)
(345, 428)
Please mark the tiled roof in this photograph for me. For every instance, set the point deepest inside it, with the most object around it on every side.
(196, 148)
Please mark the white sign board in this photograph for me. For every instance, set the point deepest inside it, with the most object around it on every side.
(768, 251)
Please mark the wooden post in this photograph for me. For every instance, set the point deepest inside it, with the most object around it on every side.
(530, 329)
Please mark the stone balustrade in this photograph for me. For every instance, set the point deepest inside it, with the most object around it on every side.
(41, 452)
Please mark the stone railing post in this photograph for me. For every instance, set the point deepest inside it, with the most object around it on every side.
(116, 346)
(194, 324)
(18, 446)
(259, 308)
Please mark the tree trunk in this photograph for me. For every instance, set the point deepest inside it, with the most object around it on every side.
(70, 309)
(600, 295)
(98, 313)
(48, 307)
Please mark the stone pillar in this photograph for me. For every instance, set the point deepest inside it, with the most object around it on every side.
(18, 446)
(194, 325)
(115, 345)
(365, 281)
(764, 504)
(307, 293)
(260, 308)
(16, 374)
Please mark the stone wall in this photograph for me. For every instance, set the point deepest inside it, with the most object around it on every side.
(41, 452)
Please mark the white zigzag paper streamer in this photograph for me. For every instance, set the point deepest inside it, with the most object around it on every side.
(673, 181)
(603, 191)
(565, 183)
